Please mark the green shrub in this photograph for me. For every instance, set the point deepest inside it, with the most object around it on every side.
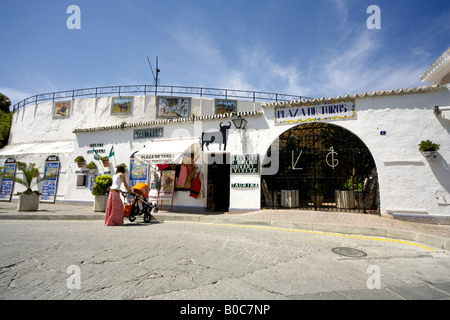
(80, 159)
(428, 145)
(91, 165)
(102, 185)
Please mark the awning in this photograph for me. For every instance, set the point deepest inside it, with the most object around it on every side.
(169, 152)
(38, 147)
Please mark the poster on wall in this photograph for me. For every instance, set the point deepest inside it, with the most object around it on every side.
(167, 185)
(172, 107)
(226, 106)
(121, 105)
(155, 182)
(61, 109)
(92, 181)
(138, 173)
(49, 186)
(7, 184)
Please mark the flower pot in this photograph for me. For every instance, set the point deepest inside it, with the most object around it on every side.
(100, 203)
(359, 199)
(81, 164)
(430, 155)
(106, 163)
(317, 201)
(28, 202)
(345, 199)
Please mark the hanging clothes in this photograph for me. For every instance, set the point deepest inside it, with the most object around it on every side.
(196, 186)
(190, 175)
(181, 179)
(161, 167)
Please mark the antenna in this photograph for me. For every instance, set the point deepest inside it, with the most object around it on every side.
(155, 78)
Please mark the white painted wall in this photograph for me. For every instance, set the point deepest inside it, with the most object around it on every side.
(408, 182)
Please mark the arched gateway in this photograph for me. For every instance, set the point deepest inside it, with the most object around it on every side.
(321, 166)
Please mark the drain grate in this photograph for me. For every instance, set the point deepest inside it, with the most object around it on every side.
(349, 252)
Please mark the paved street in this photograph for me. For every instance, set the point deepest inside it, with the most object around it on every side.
(184, 260)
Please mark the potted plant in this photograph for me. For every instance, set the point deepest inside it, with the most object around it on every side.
(92, 167)
(29, 199)
(21, 165)
(80, 161)
(358, 187)
(345, 198)
(105, 161)
(100, 191)
(317, 195)
(429, 149)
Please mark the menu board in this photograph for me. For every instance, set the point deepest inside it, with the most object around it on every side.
(49, 186)
(7, 184)
(138, 173)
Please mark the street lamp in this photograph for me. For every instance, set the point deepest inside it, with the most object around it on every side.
(239, 122)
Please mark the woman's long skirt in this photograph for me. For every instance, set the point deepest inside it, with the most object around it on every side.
(114, 210)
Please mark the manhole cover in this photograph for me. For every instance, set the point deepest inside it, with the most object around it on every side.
(349, 252)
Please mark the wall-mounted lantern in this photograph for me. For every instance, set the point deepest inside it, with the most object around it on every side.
(239, 122)
(442, 111)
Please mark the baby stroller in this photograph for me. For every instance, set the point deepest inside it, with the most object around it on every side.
(136, 203)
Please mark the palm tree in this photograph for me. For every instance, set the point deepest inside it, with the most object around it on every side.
(29, 172)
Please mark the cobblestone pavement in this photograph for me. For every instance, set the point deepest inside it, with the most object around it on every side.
(184, 260)
(339, 222)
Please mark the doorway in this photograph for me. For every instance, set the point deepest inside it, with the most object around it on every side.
(322, 167)
(218, 193)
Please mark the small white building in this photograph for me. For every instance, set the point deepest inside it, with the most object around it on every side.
(290, 151)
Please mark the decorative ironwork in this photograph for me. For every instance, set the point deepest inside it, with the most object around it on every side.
(157, 90)
(321, 167)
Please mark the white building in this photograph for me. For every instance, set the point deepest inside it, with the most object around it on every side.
(287, 152)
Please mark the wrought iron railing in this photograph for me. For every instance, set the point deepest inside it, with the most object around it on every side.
(157, 90)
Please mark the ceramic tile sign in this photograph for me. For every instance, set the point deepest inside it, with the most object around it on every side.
(310, 112)
(49, 186)
(7, 184)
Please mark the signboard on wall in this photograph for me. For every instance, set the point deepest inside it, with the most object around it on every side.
(61, 109)
(310, 112)
(7, 184)
(49, 186)
(173, 107)
(148, 133)
(245, 164)
(138, 173)
(121, 105)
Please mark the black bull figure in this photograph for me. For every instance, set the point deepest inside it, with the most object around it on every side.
(217, 136)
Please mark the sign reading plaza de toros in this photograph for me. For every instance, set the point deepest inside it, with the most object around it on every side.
(309, 112)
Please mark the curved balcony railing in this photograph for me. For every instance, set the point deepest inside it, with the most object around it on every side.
(156, 90)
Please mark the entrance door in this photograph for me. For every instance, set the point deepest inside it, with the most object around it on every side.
(322, 167)
(218, 183)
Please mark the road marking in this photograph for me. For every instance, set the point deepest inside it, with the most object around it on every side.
(323, 233)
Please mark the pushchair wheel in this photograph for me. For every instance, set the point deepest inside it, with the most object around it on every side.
(133, 213)
(147, 217)
(155, 210)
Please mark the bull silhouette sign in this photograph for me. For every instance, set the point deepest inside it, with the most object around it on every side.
(217, 136)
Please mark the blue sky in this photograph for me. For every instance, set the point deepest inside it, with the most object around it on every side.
(309, 48)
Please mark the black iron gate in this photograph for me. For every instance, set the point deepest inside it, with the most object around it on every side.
(321, 167)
